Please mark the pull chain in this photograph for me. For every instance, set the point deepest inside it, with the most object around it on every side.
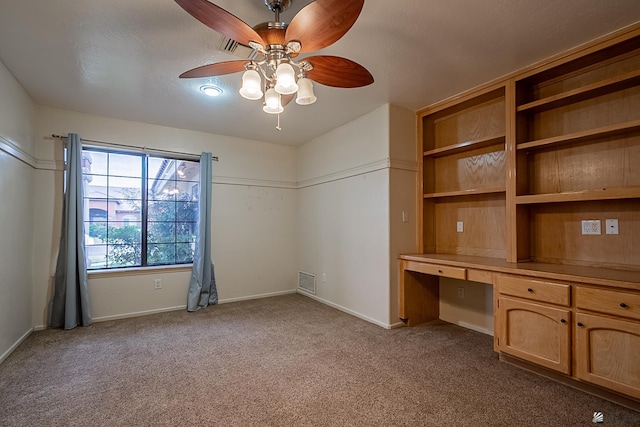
(279, 103)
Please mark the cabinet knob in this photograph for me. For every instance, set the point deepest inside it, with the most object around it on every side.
(530, 290)
(440, 271)
(623, 305)
(563, 321)
(580, 324)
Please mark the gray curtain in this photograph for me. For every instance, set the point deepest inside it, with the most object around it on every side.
(69, 305)
(202, 287)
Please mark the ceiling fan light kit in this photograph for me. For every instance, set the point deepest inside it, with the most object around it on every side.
(251, 85)
(305, 92)
(272, 102)
(277, 72)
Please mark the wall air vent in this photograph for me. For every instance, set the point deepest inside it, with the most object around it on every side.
(307, 282)
(237, 49)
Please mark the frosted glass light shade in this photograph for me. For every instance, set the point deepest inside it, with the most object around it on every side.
(305, 92)
(272, 103)
(285, 79)
(251, 84)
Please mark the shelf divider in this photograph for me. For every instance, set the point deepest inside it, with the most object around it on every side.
(632, 192)
(603, 87)
(605, 131)
(465, 146)
(470, 192)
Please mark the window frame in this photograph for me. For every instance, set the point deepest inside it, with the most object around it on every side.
(144, 208)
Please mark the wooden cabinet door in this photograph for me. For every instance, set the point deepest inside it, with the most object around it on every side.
(537, 333)
(608, 353)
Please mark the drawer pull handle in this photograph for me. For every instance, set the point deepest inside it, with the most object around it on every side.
(530, 290)
(580, 324)
(623, 305)
(563, 321)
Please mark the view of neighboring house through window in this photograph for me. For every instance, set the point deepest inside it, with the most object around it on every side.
(140, 210)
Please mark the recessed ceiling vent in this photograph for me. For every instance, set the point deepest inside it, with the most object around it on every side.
(237, 49)
(307, 282)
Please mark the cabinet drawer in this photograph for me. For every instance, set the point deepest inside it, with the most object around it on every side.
(437, 270)
(537, 290)
(617, 303)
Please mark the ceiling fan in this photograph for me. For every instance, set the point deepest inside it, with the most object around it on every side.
(278, 44)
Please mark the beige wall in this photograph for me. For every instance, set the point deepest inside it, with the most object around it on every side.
(355, 183)
(473, 311)
(343, 226)
(253, 217)
(17, 121)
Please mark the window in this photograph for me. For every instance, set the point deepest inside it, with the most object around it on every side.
(140, 210)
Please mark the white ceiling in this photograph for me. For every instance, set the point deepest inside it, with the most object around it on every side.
(122, 58)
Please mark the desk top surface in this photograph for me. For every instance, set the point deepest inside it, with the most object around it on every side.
(584, 274)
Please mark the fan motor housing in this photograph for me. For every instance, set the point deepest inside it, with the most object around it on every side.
(272, 32)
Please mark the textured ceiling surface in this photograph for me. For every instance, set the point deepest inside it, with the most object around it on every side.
(122, 58)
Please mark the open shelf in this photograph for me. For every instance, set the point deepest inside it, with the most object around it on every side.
(465, 146)
(469, 192)
(603, 87)
(581, 196)
(591, 134)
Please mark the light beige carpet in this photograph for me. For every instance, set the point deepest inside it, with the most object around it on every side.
(282, 361)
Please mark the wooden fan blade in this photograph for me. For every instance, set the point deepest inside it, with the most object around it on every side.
(285, 99)
(218, 69)
(323, 22)
(335, 71)
(221, 21)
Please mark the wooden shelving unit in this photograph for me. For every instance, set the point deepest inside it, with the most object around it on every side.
(521, 163)
(576, 128)
(524, 160)
(464, 166)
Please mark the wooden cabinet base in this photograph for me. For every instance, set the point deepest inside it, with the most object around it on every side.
(608, 353)
(535, 332)
(574, 383)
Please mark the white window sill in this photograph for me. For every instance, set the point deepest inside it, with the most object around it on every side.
(136, 271)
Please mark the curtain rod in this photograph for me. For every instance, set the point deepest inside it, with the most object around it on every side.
(143, 149)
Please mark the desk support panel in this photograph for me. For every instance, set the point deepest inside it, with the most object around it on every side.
(419, 296)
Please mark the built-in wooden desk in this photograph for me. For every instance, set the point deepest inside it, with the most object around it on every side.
(581, 322)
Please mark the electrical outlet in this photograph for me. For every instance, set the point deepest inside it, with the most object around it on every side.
(459, 226)
(157, 284)
(324, 277)
(405, 216)
(591, 227)
(460, 292)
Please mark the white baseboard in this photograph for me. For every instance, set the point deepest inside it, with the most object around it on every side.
(175, 308)
(397, 325)
(15, 345)
(349, 311)
(271, 294)
(475, 328)
(138, 313)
